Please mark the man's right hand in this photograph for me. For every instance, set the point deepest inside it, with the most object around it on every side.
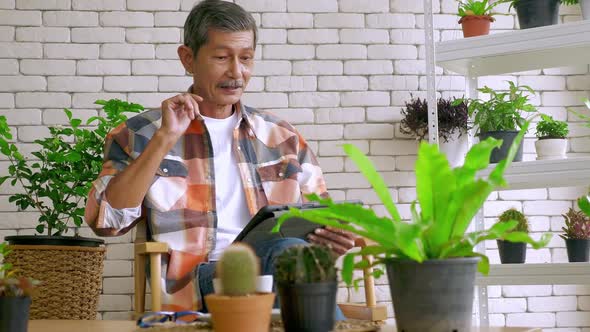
(178, 112)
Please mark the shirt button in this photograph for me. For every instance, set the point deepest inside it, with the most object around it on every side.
(281, 174)
(249, 180)
(165, 170)
(239, 148)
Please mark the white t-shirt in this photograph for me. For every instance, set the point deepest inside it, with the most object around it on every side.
(230, 199)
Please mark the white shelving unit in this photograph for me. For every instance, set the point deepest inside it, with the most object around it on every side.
(521, 50)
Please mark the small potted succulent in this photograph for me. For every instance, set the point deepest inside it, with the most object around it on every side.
(475, 17)
(537, 13)
(552, 141)
(307, 286)
(577, 232)
(239, 307)
(501, 116)
(452, 125)
(15, 296)
(513, 252)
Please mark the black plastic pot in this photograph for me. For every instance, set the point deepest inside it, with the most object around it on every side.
(577, 250)
(507, 137)
(536, 13)
(512, 252)
(38, 240)
(433, 296)
(14, 313)
(308, 307)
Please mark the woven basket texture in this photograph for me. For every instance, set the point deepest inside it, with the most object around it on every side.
(71, 279)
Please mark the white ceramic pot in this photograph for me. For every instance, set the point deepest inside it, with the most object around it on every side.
(585, 6)
(552, 148)
(455, 149)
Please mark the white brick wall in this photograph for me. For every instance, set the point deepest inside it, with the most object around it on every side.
(340, 70)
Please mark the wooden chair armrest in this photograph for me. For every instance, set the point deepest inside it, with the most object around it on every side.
(151, 248)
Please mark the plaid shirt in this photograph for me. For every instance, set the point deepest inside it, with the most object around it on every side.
(275, 165)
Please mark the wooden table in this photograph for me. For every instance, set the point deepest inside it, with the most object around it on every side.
(129, 326)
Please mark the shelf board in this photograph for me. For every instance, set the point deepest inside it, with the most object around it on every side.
(546, 173)
(536, 274)
(520, 50)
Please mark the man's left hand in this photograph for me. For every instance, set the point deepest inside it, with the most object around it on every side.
(338, 240)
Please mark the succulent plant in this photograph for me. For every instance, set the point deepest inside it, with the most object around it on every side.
(238, 269)
(513, 214)
(305, 264)
(577, 225)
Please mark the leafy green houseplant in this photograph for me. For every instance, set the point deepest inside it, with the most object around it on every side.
(577, 231)
(537, 13)
(307, 286)
(433, 253)
(239, 307)
(15, 296)
(475, 17)
(552, 141)
(57, 180)
(513, 252)
(501, 116)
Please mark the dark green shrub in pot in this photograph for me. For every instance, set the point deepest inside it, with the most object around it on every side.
(577, 231)
(431, 261)
(55, 182)
(513, 252)
(537, 13)
(501, 116)
(307, 285)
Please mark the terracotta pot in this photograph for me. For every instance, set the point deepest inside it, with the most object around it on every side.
(250, 313)
(476, 25)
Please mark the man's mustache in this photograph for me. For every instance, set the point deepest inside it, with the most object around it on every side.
(231, 84)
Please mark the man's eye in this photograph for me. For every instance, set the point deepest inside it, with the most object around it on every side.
(221, 57)
(246, 58)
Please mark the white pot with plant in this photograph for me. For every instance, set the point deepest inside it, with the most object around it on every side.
(452, 126)
(552, 141)
(431, 261)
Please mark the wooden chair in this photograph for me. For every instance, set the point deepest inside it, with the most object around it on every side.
(144, 250)
(153, 251)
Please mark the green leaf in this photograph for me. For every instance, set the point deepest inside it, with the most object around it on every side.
(40, 228)
(584, 204)
(368, 170)
(68, 113)
(347, 268)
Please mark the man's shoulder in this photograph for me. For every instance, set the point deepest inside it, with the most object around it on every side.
(148, 121)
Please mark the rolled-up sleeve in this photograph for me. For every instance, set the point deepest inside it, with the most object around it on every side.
(103, 219)
(311, 179)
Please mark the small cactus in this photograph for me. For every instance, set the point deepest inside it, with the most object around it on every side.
(305, 264)
(513, 214)
(238, 269)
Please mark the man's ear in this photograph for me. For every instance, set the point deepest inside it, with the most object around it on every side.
(186, 57)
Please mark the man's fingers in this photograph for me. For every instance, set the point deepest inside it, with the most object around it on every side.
(345, 233)
(197, 98)
(335, 237)
(335, 247)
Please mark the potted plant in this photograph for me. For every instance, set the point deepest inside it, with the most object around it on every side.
(15, 296)
(239, 307)
(577, 231)
(475, 17)
(430, 260)
(513, 252)
(452, 125)
(552, 142)
(307, 286)
(537, 13)
(55, 183)
(500, 117)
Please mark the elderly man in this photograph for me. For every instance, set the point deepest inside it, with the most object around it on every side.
(203, 164)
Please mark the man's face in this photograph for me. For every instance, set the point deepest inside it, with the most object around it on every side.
(223, 66)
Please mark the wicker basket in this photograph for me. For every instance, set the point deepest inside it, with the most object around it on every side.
(71, 279)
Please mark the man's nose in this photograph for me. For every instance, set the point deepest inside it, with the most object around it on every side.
(235, 68)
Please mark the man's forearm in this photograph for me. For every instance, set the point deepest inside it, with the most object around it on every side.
(128, 188)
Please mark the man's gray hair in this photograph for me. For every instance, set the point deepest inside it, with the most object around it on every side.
(218, 15)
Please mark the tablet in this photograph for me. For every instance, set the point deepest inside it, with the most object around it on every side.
(260, 226)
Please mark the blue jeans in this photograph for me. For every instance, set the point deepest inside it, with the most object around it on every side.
(267, 251)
